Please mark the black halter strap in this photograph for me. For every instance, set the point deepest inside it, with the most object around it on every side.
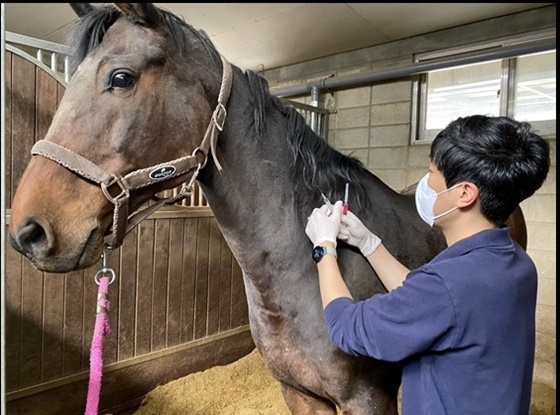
(117, 188)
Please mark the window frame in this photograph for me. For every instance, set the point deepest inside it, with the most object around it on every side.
(419, 134)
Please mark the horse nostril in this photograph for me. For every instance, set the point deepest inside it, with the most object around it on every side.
(33, 238)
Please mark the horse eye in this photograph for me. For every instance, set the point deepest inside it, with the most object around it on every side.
(122, 80)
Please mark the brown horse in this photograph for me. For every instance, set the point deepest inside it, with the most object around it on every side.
(153, 105)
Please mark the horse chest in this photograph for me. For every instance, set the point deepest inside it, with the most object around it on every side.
(290, 342)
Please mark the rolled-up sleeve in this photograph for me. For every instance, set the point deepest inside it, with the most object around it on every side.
(415, 317)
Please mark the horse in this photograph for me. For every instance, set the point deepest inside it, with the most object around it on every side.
(152, 105)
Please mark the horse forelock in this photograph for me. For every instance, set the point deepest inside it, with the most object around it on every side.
(88, 33)
(316, 166)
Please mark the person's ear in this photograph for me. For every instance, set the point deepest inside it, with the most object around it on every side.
(469, 195)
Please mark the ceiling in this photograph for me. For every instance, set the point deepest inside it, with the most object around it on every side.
(267, 35)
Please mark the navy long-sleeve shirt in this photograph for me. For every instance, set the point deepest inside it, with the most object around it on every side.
(463, 325)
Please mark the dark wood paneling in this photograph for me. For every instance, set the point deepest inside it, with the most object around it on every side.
(190, 247)
(8, 126)
(73, 322)
(13, 319)
(143, 330)
(23, 96)
(46, 104)
(160, 283)
(53, 327)
(127, 296)
(214, 269)
(173, 329)
(201, 282)
(31, 325)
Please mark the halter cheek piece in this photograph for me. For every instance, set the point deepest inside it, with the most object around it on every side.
(117, 188)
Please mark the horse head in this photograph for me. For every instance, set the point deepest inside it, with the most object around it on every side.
(132, 122)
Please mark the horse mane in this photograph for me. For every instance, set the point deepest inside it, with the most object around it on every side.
(318, 166)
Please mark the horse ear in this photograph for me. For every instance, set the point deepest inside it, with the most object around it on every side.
(81, 9)
(145, 13)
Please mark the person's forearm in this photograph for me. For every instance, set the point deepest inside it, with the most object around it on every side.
(331, 284)
(390, 271)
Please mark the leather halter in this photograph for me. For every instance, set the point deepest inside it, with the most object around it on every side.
(117, 188)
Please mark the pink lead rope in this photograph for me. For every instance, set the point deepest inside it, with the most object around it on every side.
(101, 329)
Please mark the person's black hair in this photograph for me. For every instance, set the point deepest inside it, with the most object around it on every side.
(505, 158)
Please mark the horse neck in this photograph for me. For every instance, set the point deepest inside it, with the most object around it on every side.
(252, 197)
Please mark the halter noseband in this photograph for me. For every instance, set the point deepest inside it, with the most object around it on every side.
(117, 188)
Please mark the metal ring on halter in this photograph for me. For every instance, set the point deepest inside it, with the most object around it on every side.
(105, 271)
(199, 150)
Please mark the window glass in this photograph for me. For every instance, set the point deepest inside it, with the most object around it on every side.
(534, 91)
(522, 87)
(462, 91)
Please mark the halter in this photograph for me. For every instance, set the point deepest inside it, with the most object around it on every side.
(117, 188)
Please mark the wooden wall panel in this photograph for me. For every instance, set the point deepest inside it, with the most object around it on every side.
(143, 329)
(127, 296)
(201, 279)
(174, 291)
(23, 97)
(8, 127)
(46, 104)
(214, 269)
(190, 246)
(53, 327)
(74, 315)
(31, 325)
(160, 282)
(13, 318)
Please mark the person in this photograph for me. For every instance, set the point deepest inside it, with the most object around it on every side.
(462, 325)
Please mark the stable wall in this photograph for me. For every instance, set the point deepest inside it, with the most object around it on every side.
(373, 122)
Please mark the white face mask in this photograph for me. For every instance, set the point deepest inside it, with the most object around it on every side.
(426, 199)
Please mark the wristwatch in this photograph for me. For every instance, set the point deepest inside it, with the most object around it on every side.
(320, 251)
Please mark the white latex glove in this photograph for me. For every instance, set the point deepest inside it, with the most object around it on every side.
(355, 233)
(324, 223)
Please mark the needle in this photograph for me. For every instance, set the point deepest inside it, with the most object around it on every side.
(345, 205)
(328, 203)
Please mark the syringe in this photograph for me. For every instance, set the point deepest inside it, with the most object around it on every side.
(345, 205)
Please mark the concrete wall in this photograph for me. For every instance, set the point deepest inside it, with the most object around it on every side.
(373, 122)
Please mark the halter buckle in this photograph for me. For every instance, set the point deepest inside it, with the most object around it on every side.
(124, 193)
(219, 116)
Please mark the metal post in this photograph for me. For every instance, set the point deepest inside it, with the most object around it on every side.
(54, 62)
(315, 103)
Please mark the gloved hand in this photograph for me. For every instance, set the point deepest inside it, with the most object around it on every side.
(324, 224)
(355, 233)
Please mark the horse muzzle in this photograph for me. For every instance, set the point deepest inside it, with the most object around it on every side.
(35, 239)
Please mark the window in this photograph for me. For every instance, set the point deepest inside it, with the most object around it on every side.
(522, 87)
(534, 87)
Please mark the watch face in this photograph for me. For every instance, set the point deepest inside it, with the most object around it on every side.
(318, 253)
